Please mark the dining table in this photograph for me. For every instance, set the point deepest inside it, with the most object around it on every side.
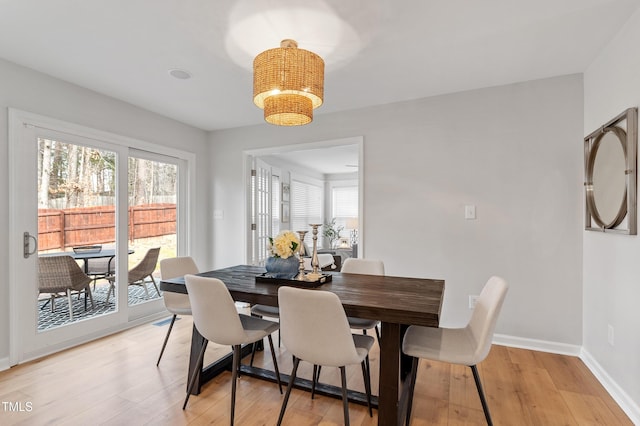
(397, 302)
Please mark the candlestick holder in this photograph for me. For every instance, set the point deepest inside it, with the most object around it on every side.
(301, 275)
(315, 274)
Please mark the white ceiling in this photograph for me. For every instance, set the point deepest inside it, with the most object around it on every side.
(326, 160)
(376, 51)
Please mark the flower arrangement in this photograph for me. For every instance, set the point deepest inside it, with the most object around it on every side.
(284, 245)
(332, 231)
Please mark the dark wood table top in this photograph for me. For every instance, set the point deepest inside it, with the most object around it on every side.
(398, 300)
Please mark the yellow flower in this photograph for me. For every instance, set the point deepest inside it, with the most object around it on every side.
(284, 244)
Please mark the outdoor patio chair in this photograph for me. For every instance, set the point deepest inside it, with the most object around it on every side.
(139, 273)
(61, 276)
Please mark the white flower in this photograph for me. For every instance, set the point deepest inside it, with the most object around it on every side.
(284, 244)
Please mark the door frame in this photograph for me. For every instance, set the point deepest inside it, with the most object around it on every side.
(19, 121)
(249, 155)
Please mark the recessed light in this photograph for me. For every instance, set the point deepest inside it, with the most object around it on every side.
(180, 74)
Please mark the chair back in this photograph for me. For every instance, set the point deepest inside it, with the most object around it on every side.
(175, 267)
(101, 266)
(214, 311)
(363, 266)
(58, 273)
(146, 266)
(314, 327)
(485, 315)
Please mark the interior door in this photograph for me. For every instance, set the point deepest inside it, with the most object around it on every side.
(265, 209)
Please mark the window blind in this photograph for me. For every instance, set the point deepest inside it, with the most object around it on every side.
(306, 208)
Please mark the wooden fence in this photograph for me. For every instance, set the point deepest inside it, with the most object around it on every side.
(59, 229)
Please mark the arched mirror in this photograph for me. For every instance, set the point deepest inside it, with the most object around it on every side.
(610, 181)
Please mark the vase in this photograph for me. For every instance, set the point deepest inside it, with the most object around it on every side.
(278, 267)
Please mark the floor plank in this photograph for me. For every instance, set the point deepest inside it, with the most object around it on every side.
(114, 381)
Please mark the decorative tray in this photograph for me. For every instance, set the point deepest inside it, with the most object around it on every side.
(87, 249)
(265, 278)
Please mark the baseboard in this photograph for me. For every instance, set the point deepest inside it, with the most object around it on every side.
(628, 405)
(625, 402)
(537, 345)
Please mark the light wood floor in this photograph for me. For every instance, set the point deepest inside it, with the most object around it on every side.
(114, 381)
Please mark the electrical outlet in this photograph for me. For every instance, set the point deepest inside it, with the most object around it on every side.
(473, 299)
(610, 334)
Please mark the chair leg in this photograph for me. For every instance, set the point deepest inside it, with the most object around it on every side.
(88, 291)
(166, 339)
(192, 379)
(146, 290)
(412, 386)
(367, 386)
(153, 280)
(70, 304)
(253, 353)
(112, 287)
(485, 407)
(234, 379)
(345, 401)
(275, 363)
(378, 333)
(314, 380)
(296, 362)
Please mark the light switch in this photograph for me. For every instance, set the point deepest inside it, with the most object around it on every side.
(469, 211)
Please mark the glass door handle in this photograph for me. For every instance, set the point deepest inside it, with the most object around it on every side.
(26, 239)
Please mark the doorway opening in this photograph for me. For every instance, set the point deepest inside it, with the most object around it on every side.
(291, 187)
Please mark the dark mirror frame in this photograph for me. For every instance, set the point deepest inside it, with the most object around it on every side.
(625, 128)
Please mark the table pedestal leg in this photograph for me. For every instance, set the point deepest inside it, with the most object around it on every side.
(389, 374)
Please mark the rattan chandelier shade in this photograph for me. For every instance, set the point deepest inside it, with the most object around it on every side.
(288, 83)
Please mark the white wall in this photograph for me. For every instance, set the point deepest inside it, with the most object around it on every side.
(612, 262)
(513, 151)
(31, 91)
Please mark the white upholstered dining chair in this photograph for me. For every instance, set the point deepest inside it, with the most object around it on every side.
(368, 267)
(217, 320)
(463, 346)
(315, 329)
(176, 303)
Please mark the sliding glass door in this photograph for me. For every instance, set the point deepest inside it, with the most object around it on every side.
(86, 208)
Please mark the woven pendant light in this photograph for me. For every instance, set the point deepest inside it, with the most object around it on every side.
(288, 83)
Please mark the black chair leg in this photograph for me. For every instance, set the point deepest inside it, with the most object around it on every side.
(314, 381)
(296, 362)
(253, 352)
(378, 333)
(412, 386)
(485, 407)
(234, 378)
(275, 363)
(367, 386)
(192, 380)
(345, 400)
(166, 339)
